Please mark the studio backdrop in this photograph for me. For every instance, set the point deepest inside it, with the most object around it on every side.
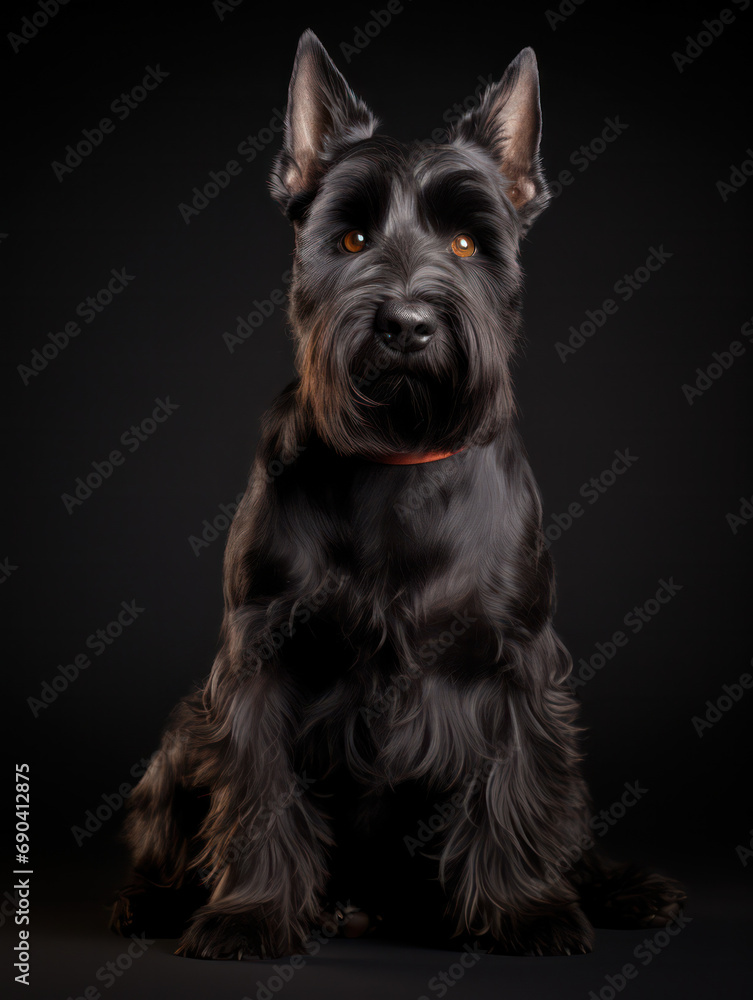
(145, 277)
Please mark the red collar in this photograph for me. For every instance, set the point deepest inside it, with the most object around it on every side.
(410, 458)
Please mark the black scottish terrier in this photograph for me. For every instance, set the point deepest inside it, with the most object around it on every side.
(388, 718)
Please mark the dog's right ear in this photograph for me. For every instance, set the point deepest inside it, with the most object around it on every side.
(323, 117)
(507, 124)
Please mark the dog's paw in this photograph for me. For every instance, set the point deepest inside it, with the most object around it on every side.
(643, 900)
(146, 908)
(562, 932)
(121, 915)
(348, 921)
(217, 936)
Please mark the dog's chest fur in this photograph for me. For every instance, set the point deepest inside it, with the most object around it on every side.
(407, 559)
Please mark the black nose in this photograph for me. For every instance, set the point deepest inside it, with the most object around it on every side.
(405, 326)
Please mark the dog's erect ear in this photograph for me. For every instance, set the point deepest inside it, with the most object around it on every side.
(323, 117)
(507, 123)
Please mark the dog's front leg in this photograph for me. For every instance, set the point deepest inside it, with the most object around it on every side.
(509, 849)
(263, 838)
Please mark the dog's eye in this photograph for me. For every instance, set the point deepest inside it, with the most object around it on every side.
(463, 246)
(353, 241)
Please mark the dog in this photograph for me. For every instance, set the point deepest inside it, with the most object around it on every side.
(388, 718)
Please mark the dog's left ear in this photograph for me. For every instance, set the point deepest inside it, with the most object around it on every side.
(323, 117)
(507, 123)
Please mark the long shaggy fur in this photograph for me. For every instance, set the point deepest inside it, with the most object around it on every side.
(387, 640)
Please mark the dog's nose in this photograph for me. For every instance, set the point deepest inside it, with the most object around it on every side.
(405, 326)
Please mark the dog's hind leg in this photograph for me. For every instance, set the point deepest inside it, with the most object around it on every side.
(164, 815)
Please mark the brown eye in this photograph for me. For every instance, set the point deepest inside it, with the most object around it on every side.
(353, 241)
(463, 246)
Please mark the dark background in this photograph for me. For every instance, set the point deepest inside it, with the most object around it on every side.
(654, 186)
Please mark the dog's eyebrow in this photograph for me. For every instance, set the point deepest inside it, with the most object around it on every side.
(456, 197)
(359, 193)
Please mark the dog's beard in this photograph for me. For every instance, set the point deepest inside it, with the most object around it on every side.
(363, 401)
(411, 410)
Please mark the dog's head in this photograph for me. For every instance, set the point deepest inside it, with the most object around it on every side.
(406, 291)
